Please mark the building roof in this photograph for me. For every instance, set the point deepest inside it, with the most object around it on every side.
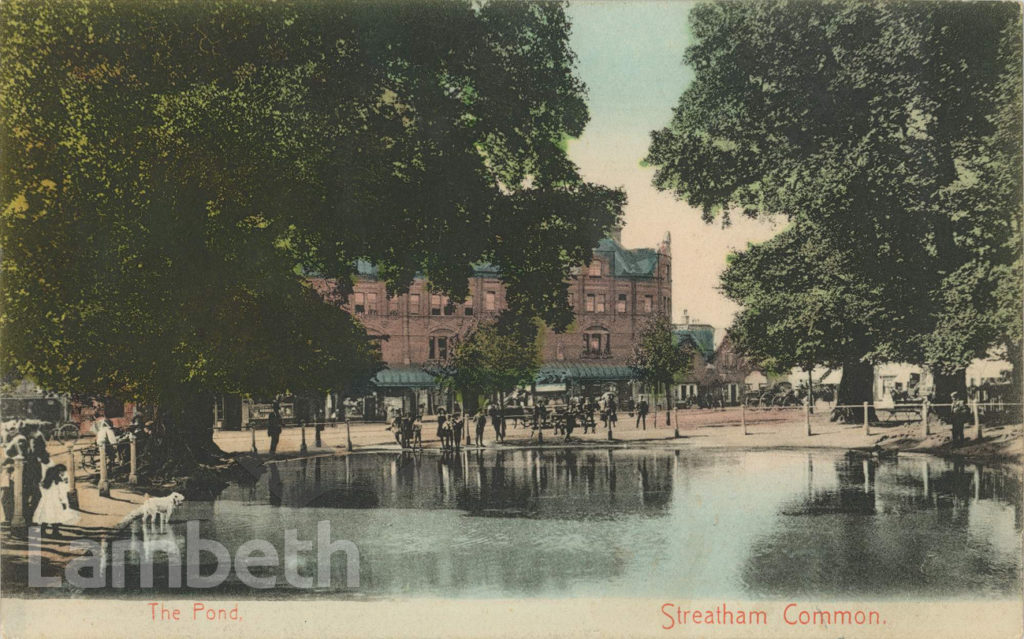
(550, 373)
(639, 262)
(403, 378)
(702, 336)
(370, 271)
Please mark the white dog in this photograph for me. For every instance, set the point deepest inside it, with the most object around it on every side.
(154, 507)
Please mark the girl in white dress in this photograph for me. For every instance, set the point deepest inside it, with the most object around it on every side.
(54, 508)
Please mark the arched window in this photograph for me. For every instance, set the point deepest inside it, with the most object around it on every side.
(597, 342)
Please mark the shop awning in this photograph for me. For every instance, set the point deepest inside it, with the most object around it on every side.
(555, 373)
(403, 378)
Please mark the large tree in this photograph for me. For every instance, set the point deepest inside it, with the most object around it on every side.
(656, 358)
(870, 122)
(801, 307)
(494, 358)
(172, 171)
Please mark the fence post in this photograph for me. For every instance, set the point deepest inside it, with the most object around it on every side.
(924, 417)
(743, 416)
(103, 484)
(867, 426)
(252, 429)
(348, 434)
(303, 448)
(72, 489)
(977, 422)
(807, 416)
(677, 423)
(133, 477)
(18, 486)
(317, 428)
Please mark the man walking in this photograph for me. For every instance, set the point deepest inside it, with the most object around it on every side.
(641, 413)
(274, 425)
(481, 424)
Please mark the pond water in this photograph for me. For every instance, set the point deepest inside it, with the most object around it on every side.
(622, 522)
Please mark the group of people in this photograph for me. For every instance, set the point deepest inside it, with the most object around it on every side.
(406, 427)
(452, 426)
(44, 494)
(117, 445)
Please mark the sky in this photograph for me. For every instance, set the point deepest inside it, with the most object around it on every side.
(631, 58)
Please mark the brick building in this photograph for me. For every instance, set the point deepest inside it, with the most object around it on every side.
(612, 296)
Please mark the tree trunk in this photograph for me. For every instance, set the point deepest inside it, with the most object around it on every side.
(855, 388)
(810, 391)
(668, 405)
(182, 440)
(946, 384)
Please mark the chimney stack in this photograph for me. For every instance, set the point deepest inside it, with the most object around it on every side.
(616, 233)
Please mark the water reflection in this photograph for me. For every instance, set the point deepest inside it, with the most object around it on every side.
(914, 527)
(621, 522)
(523, 483)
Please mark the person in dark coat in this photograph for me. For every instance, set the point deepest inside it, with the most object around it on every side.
(443, 428)
(274, 425)
(641, 413)
(481, 424)
(458, 423)
(495, 415)
(958, 417)
(31, 446)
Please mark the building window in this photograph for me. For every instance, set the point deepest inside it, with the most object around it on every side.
(572, 300)
(620, 305)
(393, 306)
(600, 303)
(596, 343)
(589, 307)
(439, 347)
(595, 268)
(648, 303)
(490, 301)
(468, 305)
(371, 303)
(435, 304)
(449, 308)
(358, 303)
(414, 304)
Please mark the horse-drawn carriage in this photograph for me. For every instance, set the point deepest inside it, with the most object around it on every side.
(779, 395)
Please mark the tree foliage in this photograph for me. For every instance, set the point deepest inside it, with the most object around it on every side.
(172, 170)
(872, 126)
(800, 305)
(656, 358)
(492, 360)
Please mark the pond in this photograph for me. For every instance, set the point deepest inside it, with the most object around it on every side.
(636, 522)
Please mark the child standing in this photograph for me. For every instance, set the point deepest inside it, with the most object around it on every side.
(54, 508)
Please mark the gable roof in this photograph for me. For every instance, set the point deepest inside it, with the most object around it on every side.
(639, 262)
(701, 335)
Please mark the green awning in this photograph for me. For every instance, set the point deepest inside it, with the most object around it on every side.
(403, 378)
(553, 373)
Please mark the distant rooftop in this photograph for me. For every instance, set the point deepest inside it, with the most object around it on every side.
(370, 271)
(702, 336)
(638, 262)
